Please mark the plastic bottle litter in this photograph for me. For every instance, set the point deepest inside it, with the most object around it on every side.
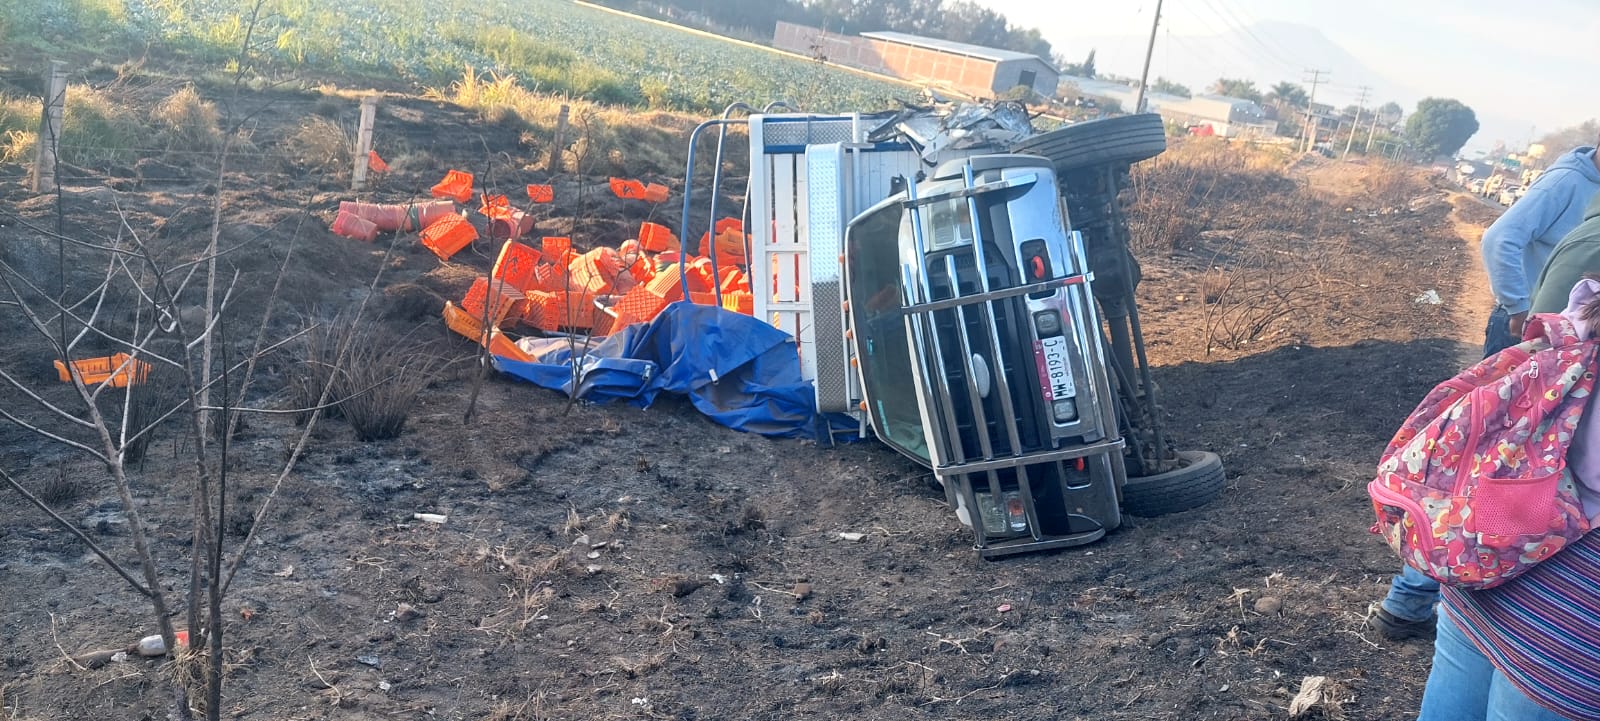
(429, 517)
(155, 646)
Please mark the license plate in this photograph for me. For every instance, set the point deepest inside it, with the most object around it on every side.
(1054, 370)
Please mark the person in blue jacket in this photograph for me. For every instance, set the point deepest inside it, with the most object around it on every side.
(1514, 250)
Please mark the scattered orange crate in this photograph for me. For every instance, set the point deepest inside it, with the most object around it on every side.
(95, 371)
(506, 298)
(541, 193)
(739, 302)
(701, 280)
(555, 246)
(518, 265)
(448, 235)
(467, 326)
(666, 284)
(628, 189)
(656, 193)
(504, 347)
(656, 238)
(462, 322)
(457, 185)
(375, 163)
(639, 305)
(354, 227)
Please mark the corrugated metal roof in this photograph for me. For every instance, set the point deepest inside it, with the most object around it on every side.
(949, 46)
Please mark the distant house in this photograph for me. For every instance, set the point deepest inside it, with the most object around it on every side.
(1228, 117)
(969, 69)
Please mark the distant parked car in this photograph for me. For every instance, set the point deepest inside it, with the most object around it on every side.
(1509, 194)
(1475, 187)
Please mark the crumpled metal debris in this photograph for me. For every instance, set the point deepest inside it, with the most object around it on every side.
(970, 128)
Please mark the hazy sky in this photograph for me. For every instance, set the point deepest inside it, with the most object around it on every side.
(1520, 64)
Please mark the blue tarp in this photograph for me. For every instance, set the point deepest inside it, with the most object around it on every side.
(740, 371)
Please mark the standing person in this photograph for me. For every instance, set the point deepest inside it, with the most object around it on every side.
(1514, 250)
(1517, 245)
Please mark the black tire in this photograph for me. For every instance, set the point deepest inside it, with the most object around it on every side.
(1125, 139)
(1191, 485)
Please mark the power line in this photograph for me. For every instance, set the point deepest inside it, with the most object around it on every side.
(1264, 53)
(1246, 28)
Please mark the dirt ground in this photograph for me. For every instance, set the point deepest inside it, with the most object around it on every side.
(618, 563)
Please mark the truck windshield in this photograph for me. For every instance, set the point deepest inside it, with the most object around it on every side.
(873, 255)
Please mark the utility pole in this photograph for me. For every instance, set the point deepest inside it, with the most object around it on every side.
(1372, 131)
(1149, 51)
(1311, 103)
(1361, 105)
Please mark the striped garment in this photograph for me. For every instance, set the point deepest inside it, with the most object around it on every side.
(1542, 630)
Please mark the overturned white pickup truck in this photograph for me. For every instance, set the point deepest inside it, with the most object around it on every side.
(976, 312)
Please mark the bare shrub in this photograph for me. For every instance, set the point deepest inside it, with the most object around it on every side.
(60, 489)
(375, 385)
(322, 145)
(383, 382)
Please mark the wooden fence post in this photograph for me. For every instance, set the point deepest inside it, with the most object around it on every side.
(558, 145)
(369, 111)
(49, 142)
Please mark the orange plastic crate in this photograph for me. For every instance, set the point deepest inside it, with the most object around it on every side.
(518, 265)
(739, 302)
(504, 347)
(555, 246)
(666, 284)
(354, 227)
(462, 322)
(448, 235)
(700, 277)
(656, 238)
(457, 185)
(375, 163)
(95, 371)
(629, 189)
(563, 310)
(656, 193)
(541, 193)
(639, 305)
(734, 280)
(506, 298)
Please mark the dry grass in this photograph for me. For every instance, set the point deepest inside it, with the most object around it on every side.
(188, 122)
(19, 123)
(98, 130)
(600, 139)
(1197, 182)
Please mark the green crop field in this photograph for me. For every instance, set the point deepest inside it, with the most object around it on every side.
(549, 45)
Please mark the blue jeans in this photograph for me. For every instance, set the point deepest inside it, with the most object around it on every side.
(1412, 594)
(1497, 335)
(1465, 686)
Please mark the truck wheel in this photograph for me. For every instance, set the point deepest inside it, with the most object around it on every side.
(1191, 485)
(1125, 139)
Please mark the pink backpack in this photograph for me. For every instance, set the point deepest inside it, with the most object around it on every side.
(1474, 489)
